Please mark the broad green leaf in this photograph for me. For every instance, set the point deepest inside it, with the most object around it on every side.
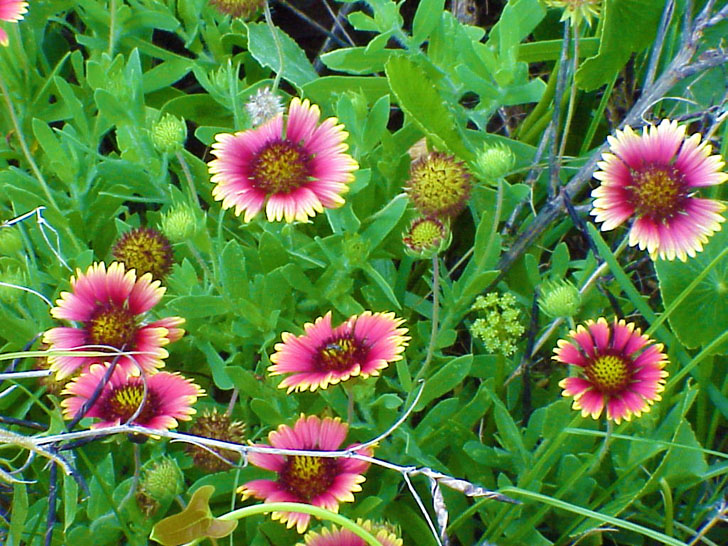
(707, 300)
(419, 99)
(217, 366)
(426, 18)
(296, 67)
(199, 306)
(445, 379)
(70, 501)
(321, 89)
(628, 26)
(357, 60)
(19, 513)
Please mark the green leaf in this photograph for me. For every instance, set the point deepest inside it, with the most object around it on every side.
(383, 222)
(426, 18)
(70, 501)
(296, 67)
(628, 26)
(375, 124)
(199, 306)
(419, 99)
(217, 367)
(357, 60)
(708, 299)
(446, 379)
(19, 513)
(510, 434)
(194, 522)
(321, 89)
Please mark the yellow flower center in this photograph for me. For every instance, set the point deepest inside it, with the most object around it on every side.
(113, 326)
(657, 191)
(439, 185)
(609, 373)
(425, 234)
(308, 477)
(281, 167)
(339, 354)
(145, 250)
(123, 401)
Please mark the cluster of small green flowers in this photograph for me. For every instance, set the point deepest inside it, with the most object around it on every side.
(498, 327)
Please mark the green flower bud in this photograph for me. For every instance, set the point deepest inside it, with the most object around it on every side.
(559, 299)
(169, 134)
(494, 162)
(179, 224)
(426, 237)
(10, 241)
(162, 479)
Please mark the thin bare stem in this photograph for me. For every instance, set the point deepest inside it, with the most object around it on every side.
(194, 198)
(572, 97)
(24, 145)
(435, 317)
(554, 161)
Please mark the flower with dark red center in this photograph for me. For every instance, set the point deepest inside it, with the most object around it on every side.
(439, 185)
(169, 397)
(109, 305)
(145, 250)
(362, 346)
(619, 368)
(385, 533)
(295, 171)
(11, 11)
(652, 177)
(319, 481)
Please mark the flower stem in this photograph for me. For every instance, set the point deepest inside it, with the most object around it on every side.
(24, 145)
(320, 513)
(604, 450)
(435, 317)
(194, 199)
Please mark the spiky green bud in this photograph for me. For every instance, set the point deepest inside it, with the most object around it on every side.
(494, 162)
(162, 479)
(169, 134)
(179, 224)
(559, 299)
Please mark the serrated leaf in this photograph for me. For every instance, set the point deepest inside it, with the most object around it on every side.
(296, 67)
(627, 26)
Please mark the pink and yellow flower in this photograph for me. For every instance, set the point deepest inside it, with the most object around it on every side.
(652, 177)
(384, 533)
(319, 481)
(360, 347)
(11, 11)
(109, 303)
(295, 171)
(169, 397)
(619, 368)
